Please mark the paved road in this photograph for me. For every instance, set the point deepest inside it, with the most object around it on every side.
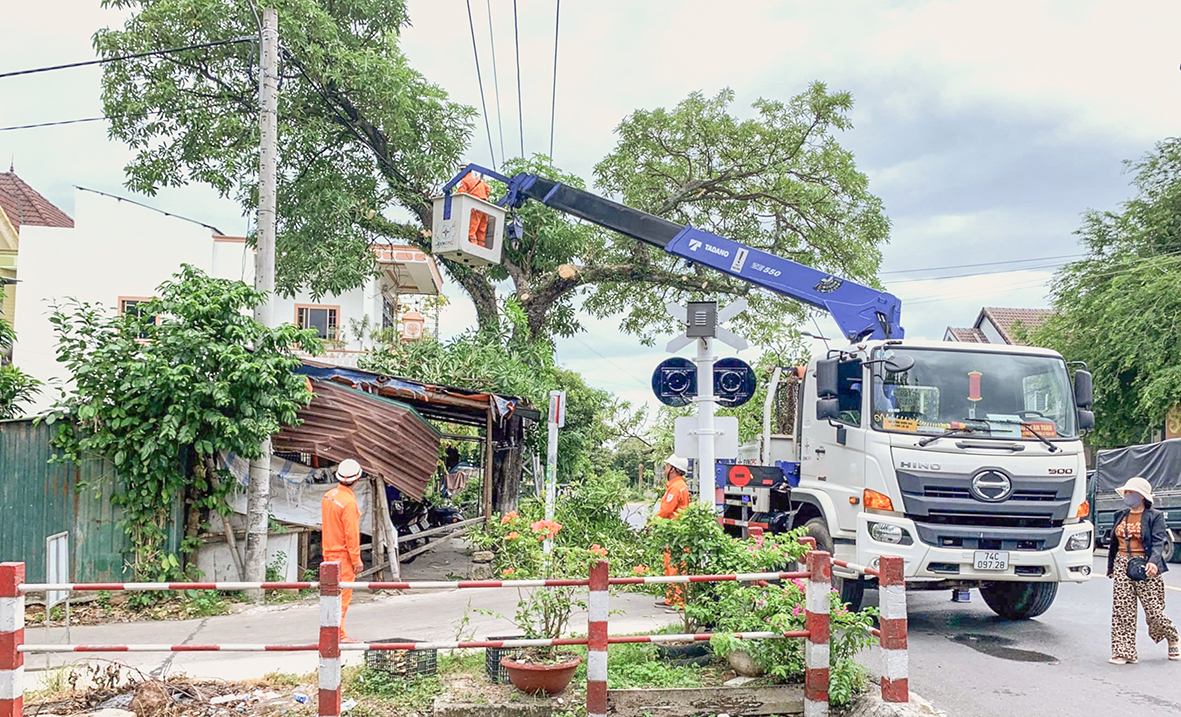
(972, 664)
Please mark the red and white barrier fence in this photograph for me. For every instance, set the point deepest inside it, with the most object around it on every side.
(330, 647)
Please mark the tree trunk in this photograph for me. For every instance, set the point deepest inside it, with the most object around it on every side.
(508, 464)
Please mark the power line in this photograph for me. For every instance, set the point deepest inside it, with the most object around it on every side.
(520, 112)
(475, 53)
(134, 56)
(496, 82)
(554, 98)
(621, 369)
(51, 124)
(987, 263)
(979, 273)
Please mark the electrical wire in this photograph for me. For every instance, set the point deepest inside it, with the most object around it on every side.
(554, 98)
(980, 273)
(134, 56)
(621, 369)
(476, 54)
(517, 47)
(496, 82)
(51, 124)
(987, 263)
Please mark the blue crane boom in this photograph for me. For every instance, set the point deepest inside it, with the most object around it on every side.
(860, 311)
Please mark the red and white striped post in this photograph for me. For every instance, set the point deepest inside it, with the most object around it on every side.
(596, 646)
(895, 660)
(12, 636)
(329, 667)
(816, 652)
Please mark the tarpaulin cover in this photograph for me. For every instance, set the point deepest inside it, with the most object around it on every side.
(1159, 463)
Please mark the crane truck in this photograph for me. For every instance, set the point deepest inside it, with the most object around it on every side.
(964, 459)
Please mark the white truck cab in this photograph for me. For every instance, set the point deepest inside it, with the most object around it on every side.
(963, 459)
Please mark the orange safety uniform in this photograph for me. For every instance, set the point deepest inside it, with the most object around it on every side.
(676, 498)
(340, 538)
(478, 227)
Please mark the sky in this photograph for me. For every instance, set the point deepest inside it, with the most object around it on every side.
(986, 128)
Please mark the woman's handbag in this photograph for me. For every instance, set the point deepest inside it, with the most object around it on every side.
(1137, 569)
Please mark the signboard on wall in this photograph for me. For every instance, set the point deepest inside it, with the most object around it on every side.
(1173, 422)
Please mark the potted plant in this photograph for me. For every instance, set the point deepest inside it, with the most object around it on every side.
(542, 613)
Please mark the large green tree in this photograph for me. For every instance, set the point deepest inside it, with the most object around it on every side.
(365, 138)
(16, 387)
(164, 390)
(1119, 309)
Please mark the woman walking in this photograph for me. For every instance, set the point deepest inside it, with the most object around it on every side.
(1139, 543)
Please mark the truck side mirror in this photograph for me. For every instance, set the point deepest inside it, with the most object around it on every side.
(826, 379)
(1086, 420)
(1084, 392)
(827, 409)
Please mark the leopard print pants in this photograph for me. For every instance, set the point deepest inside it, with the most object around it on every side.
(1124, 594)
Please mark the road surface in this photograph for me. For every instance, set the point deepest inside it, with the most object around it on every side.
(971, 663)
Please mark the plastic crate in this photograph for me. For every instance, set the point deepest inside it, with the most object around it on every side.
(407, 664)
(492, 656)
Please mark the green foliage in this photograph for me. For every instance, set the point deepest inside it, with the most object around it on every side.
(846, 679)
(192, 375)
(779, 181)
(204, 603)
(1119, 309)
(361, 132)
(16, 386)
(636, 665)
(698, 546)
(500, 361)
(417, 694)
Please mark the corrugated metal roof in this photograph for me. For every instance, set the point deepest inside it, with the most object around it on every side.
(390, 439)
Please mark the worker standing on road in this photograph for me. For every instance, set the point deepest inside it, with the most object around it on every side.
(478, 188)
(676, 498)
(1139, 533)
(340, 531)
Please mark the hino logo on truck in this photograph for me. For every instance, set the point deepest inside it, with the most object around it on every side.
(991, 486)
(916, 466)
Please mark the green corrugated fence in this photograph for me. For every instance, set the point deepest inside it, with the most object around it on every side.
(39, 499)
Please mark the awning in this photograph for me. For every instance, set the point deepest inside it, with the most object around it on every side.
(389, 438)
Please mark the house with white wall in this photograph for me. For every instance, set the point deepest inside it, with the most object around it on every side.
(118, 252)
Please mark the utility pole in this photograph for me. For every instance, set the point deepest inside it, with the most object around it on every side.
(706, 404)
(259, 496)
(557, 419)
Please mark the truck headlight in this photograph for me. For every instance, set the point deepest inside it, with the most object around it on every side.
(887, 533)
(1079, 541)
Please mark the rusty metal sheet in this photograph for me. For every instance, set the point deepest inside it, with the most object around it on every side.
(389, 438)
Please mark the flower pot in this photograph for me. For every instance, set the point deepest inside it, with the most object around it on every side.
(532, 679)
(743, 664)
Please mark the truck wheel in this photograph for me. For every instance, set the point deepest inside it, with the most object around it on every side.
(852, 591)
(1019, 601)
(1172, 551)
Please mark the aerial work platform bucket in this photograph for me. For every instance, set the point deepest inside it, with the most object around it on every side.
(458, 236)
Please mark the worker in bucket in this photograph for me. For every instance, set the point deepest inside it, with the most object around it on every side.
(676, 498)
(340, 531)
(478, 188)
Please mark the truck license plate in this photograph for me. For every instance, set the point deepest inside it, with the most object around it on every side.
(991, 560)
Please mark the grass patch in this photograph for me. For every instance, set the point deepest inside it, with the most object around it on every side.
(460, 661)
(286, 679)
(636, 665)
(378, 692)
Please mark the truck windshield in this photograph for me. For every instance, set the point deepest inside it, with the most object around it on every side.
(986, 395)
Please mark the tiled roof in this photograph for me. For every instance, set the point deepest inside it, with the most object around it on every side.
(975, 336)
(24, 205)
(1004, 319)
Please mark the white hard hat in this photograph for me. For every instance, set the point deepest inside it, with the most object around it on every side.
(1137, 485)
(348, 471)
(681, 464)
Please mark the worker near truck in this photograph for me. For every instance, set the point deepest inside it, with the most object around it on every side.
(676, 498)
(340, 531)
(1139, 539)
(478, 226)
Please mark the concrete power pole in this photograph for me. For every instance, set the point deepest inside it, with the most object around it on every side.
(259, 496)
